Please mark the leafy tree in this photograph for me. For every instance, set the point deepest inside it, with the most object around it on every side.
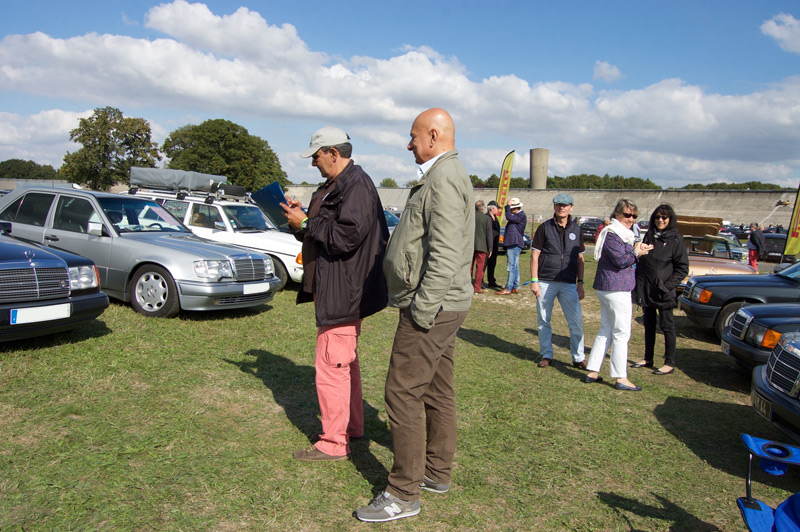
(389, 183)
(111, 145)
(519, 182)
(412, 183)
(477, 182)
(749, 185)
(19, 169)
(493, 181)
(221, 147)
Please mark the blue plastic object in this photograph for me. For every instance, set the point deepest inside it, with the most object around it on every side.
(774, 458)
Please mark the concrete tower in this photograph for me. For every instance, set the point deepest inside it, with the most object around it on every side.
(540, 158)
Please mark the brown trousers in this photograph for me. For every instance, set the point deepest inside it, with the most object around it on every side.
(421, 402)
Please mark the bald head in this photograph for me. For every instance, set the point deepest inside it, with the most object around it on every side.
(432, 134)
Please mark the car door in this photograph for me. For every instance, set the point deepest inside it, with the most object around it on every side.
(69, 230)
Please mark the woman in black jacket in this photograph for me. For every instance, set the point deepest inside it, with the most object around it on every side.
(657, 275)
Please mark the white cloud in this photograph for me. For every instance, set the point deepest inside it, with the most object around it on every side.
(240, 67)
(786, 30)
(605, 71)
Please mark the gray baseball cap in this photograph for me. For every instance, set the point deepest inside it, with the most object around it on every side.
(324, 138)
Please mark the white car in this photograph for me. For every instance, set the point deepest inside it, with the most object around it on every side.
(232, 219)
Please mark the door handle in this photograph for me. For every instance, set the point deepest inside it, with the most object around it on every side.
(51, 238)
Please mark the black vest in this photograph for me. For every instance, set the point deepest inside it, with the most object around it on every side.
(558, 260)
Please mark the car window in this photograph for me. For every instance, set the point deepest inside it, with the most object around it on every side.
(247, 217)
(177, 208)
(204, 215)
(31, 209)
(135, 215)
(72, 214)
(391, 219)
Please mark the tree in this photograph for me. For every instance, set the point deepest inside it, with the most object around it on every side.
(19, 169)
(389, 183)
(412, 183)
(477, 182)
(111, 145)
(493, 181)
(221, 147)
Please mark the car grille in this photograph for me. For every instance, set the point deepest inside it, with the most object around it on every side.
(249, 269)
(739, 324)
(783, 369)
(234, 300)
(33, 284)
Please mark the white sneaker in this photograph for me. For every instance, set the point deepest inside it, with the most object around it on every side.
(386, 507)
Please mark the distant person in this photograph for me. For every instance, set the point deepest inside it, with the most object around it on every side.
(427, 271)
(616, 253)
(658, 274)
(344, 239)
(491, 261)
(557, 273)
(756, 245)
(483, 245)
(513, 242)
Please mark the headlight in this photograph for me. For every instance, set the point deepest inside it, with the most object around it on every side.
(269, 268)
(213, 269)
(762, 336)
(83, 277)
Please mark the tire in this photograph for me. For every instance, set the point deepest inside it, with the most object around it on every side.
(725, 316)
(153, 292)
(280, 272)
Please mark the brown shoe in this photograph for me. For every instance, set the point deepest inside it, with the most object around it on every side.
(503, 292)
(545, 362)
(515, 291)
(581, 364)
(312, 454)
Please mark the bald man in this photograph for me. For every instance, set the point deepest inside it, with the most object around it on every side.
(427, 269)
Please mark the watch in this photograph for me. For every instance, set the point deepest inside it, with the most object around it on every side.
(304, 224)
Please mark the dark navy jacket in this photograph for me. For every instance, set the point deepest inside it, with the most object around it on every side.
(559, 250)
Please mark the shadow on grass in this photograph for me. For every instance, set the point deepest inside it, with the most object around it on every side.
(94, 329)
(293, 390)
(668, 511)
(491, 341)
(714, 368)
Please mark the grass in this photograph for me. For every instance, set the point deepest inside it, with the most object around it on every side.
(190, 424)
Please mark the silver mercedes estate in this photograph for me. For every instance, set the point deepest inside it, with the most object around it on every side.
(143, 254)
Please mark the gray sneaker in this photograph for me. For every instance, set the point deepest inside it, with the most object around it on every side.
(386, 507)
(430, 485)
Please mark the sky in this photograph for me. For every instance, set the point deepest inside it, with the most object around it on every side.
(677, 92)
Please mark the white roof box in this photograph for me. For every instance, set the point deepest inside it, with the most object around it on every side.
(174, 179)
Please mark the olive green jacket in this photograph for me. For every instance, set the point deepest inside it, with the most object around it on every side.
(429, 254)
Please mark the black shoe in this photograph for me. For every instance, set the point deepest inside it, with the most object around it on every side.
(642, 365)
(581, 364)
(620, 386)
(589, 380)
(659, 372)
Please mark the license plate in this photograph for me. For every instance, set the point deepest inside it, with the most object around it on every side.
(21, 316)
(726, 347)
(761, 405)
(256, 288)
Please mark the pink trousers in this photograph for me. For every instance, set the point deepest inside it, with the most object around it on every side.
(338, 379)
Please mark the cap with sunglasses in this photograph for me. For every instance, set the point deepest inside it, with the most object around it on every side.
(324, 138)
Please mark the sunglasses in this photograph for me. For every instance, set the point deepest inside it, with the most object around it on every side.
(630, 215)
(659, 217)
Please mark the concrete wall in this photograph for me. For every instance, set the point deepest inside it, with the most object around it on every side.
(736, 206)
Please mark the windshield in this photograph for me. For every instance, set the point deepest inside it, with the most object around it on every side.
(792, 272)
(247, 218)
(391, 219)
(130, 215)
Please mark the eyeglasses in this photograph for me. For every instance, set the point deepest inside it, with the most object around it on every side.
(316, 155)
(630, 215)
(659, 217)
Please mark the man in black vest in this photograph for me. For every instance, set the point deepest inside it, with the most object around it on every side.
(557, 272)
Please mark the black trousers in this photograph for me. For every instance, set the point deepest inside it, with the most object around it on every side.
(666, 321)
(491, 262)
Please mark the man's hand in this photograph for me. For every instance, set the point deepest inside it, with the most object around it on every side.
(535, 288)
(580, 292)
(294, 213)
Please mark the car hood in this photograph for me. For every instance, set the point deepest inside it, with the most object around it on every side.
(274, 240)
(188, 243)
(16, 251)
(774, 314)
(751, 281)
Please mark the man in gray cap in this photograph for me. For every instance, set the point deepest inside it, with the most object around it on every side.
(557, 272)
(344, 239)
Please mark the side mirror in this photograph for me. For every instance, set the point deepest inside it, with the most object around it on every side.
(5, 227)
(95, 229)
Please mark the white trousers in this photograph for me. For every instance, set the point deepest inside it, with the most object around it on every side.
(616, 311)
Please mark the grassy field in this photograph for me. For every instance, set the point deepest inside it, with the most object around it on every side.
(190, 424)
